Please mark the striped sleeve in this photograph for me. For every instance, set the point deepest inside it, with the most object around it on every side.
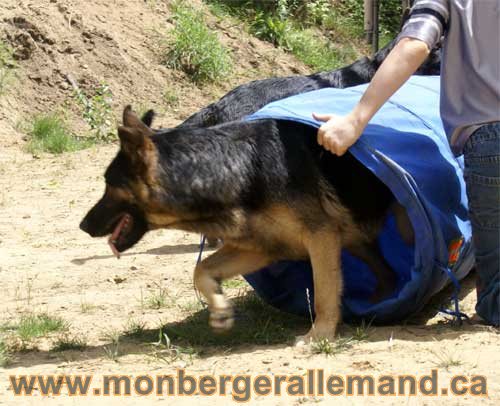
(428, 21)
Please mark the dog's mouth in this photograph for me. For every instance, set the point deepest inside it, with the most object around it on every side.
(122, 230)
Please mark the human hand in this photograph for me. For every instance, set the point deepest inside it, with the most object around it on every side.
(338, 133)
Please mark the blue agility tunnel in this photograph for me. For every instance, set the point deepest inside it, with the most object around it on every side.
(406, 147)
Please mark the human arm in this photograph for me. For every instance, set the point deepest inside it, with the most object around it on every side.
(340, 132)
(420, 34)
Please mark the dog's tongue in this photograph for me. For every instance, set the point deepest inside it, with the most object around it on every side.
(116, 233)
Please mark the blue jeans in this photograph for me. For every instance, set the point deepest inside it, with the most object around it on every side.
(482, 178)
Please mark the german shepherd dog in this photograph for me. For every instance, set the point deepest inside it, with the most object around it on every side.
(266, 187)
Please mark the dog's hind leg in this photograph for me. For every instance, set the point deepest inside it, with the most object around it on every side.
(324, 250)
(386, 278)
(227, 262)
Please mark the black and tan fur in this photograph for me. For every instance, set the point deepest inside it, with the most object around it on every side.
(266, 187)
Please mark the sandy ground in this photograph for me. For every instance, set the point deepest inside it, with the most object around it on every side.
(49, 265)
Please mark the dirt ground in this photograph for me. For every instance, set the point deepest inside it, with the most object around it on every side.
(48, 265)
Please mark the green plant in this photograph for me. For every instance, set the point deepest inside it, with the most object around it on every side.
(7, 65)
(50, 133)
(38, 325)
(98, 113)
(86, 307)
(362, 332)
(327, 347)
(257, 324)
(236, 283)
(444, 358)
(165, 351)
(4, 354)
(271, 28)
(66, 342)
(171, 98)
(135, 329)
(194, 48)
(318, 53)
(158, 298)
(112, 350)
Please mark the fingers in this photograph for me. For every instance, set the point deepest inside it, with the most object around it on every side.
(322, 117)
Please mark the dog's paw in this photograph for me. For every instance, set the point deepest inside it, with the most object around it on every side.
(315, 335)
(221, 320)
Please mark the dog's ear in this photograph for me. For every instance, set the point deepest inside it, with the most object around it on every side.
(131, 140)
(148, 118)
(131, 120)
(139, 150)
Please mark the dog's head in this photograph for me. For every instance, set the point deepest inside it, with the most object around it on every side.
(130, 180)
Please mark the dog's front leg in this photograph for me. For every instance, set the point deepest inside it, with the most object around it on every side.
(324, 250)
(227, 262)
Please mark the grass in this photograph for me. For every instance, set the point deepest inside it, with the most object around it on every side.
(234, 283)
(327, 347)
(66, 343)
(97, 112)
(362, 332)
(256, 323)
(112, 351)
(446, 359)
(135, 329)
(163, 350)
(299, 30)
(86, 307)
(4, 354)
(50, 133)
(194, 48)
(158, 298)
(317, 53)
(38, 325)
(171, 98)
(7, 66)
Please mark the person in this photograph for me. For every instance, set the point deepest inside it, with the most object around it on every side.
(470, 111)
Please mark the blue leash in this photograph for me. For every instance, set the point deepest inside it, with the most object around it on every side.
(457, 314)
(200, 255)
(203, 239)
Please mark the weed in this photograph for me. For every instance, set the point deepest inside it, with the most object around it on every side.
(112, 350)
(191, 307)
(362, 332)
(87, 307)
(325, 346)
(50, 133)
(171, 98)
(4, 354)
(318, 53)
(272, 28)
(98, 113)
(256, 323)
(7, 65)
(194, 48)
(446, 359)
(66, 343)
(234, 283)
(158, 298)
(38, 325)
(165, 351)
(135, 329)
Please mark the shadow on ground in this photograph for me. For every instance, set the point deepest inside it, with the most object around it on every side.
(257, 325)
(165, 250)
